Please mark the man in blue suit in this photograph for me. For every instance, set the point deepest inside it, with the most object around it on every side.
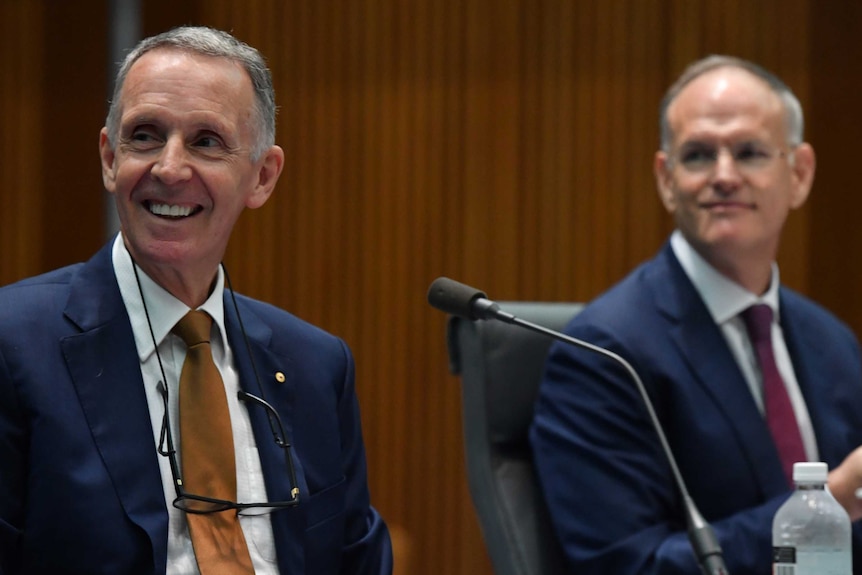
(732, 165)
(90, 445)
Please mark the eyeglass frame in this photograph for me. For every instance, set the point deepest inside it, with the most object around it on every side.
(745, 166)
(166, 439)
(167, 435)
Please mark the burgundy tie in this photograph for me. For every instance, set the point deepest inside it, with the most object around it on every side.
(779, 411)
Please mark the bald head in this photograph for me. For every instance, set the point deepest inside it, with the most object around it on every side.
(792, 110)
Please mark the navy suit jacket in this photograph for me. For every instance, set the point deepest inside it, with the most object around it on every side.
(608, 485)
(80, 489)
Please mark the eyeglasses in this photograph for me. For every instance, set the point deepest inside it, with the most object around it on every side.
(201, 504)
(749, 157)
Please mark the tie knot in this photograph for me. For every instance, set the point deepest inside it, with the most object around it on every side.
(194, 328)
(758, 321)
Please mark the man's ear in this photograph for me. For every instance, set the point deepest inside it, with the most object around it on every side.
(270, 169)
(664, 180)
(106, 153)
(804, 165)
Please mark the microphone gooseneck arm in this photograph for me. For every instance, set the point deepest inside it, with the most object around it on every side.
(455, 298)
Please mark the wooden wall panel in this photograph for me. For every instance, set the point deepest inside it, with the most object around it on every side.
(506, 143)
(21, 101)
(835, 125)
(52, 104)
(75, 74)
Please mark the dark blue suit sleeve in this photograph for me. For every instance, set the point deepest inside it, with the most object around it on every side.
(608, 484)
(12, 470)
(368, 550)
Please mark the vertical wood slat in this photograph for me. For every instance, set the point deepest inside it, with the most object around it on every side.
(505, 143)
(583, 255)
(21, 93)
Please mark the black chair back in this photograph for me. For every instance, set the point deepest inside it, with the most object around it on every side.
(501, 366)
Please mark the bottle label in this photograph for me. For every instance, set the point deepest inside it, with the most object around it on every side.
(785, 555)
(784, 561)
(790, 561)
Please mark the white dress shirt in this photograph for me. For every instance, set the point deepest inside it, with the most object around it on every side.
(725, 300)
(164, 312)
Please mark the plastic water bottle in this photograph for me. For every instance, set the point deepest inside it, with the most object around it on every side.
(811, 531)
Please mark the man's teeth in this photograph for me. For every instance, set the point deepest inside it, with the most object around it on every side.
(168, 210)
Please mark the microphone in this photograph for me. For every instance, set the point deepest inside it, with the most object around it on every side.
(458, 299)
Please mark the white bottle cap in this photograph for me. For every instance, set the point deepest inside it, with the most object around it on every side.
(810, 472)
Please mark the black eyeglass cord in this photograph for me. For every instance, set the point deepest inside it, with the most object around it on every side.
(165, 435)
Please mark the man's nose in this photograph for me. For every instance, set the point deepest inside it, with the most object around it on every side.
(726, 176)
(172, 165)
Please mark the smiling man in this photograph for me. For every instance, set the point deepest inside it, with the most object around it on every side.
(151, 420)
(182, 159)
(737, 412)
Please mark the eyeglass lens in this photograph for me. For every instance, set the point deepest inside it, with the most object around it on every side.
(748, 156)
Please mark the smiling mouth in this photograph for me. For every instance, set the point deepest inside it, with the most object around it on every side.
(726, 205)
(171, 211)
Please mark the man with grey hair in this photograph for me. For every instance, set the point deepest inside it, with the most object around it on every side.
(746, 376)
(151, 420)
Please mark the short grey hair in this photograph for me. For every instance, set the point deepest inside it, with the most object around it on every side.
(792, 109)
(208, 42)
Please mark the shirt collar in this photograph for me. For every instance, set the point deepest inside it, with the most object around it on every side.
(724, 298)
(163, 308)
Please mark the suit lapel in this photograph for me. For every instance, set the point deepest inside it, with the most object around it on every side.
(702, 345)
(816, 381)
(107, 377)
(278, 387)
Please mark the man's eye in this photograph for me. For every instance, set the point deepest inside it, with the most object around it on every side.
(207, 142)
(141, 136)
(697, 156)
(751, 153)
(142, 139)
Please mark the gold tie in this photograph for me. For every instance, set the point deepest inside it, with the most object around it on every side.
(207, 452)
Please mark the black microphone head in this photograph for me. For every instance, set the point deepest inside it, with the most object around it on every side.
(453, 297)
